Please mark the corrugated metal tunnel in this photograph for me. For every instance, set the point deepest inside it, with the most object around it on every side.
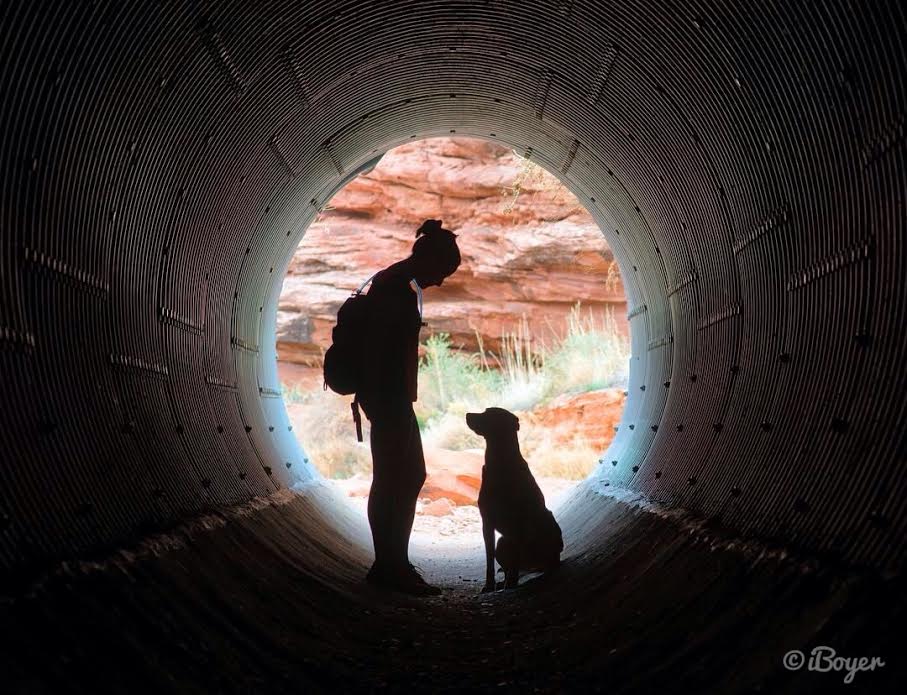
(162, 161)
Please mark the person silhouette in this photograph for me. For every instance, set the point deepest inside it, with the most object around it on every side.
(389, 388)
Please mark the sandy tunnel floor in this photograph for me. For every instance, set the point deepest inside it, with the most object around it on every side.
(273, 599)
(438, 529)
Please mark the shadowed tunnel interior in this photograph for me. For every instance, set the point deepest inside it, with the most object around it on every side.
(161, 164)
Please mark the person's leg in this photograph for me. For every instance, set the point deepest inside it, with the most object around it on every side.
(411, 479)
(381, 499)
(397, 478)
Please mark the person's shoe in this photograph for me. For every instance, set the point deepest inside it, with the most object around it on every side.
(379, 576)
(412, 582)
(406, 580)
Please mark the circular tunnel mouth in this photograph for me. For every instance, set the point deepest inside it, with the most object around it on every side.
(161, 163)
(446, 518)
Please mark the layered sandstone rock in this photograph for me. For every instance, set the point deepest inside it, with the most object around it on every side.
(536, 257)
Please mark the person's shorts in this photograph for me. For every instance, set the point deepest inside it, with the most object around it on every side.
(387, 410)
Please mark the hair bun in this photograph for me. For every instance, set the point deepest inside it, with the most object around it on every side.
(429, 226)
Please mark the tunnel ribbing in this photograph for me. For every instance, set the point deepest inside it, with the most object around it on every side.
(161, 164)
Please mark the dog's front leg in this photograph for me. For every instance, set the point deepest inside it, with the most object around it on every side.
(512, 573)
(488, 535)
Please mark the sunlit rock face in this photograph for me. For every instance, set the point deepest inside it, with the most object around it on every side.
(532, 254)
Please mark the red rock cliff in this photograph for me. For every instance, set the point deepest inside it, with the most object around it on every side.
(528, 248)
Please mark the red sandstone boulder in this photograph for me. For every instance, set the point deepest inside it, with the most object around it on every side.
(454, 475)
(591, 415)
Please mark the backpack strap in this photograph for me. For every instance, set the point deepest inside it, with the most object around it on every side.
(419, 293)
(362, 286)
(357, 418)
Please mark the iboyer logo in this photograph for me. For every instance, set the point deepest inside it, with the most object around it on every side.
(824, 659)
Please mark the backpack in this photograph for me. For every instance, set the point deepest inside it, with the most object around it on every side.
(343, 360)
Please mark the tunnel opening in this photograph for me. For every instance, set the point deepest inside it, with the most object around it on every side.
(163, 161)
(527, 323)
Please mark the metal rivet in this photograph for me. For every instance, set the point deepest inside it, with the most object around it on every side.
(655, 428)
(691, 480)
(766, 426)
(46, 426)
(735, 491)
(206, 482)
(614, 462)
(717, 426)
(270, 428)
(220, 429)
(680, 428)
(784, 357)
(635, 469)
(248, 428)
(657, 474)
(878, 519)
(268, 470)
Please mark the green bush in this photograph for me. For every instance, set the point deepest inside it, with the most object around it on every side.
(591, 355)
(451, 380)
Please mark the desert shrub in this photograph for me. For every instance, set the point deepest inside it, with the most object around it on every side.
(451, 379)
(592, 354)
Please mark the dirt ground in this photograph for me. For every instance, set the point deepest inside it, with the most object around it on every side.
(445, 526)
(272, 599)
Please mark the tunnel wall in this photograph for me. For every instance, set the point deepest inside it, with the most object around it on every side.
(161, 163)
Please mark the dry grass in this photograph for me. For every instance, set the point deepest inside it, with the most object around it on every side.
(324, 425)
(532, 177)
(527, 373)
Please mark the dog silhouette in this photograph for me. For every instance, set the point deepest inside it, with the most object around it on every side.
(511, 503)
